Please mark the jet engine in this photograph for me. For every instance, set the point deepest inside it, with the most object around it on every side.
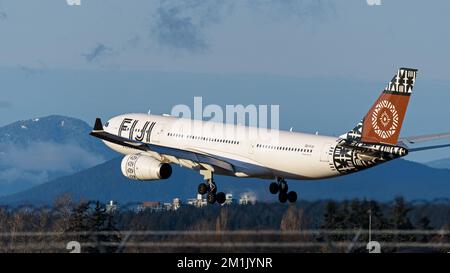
(142, 167)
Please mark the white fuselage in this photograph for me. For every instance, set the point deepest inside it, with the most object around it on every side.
(255, 152)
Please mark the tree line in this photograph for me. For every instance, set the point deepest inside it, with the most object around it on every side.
(101, 230)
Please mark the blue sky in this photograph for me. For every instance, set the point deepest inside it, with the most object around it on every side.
(324, 62)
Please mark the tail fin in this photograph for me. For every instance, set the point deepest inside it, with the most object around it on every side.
(384, 120)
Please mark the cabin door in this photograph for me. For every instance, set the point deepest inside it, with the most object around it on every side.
(327, 152)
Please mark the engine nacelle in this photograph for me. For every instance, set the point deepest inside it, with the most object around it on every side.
(141, 167)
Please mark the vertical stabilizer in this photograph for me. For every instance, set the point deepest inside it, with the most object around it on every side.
(383, 122)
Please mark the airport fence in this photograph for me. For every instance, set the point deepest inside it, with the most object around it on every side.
(228, 241)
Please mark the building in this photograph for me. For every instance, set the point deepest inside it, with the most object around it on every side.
(176, 204)
(197, 202)
(246, 200)
(158, 206)
(111, 207)
(228, 199)
(150, 205)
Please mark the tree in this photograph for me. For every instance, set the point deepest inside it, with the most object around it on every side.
(330, 222)
(101, 223)
(400, 219)
(62, 211)
(291, 220)
(424, 224)
(78, 222)
(330, 215)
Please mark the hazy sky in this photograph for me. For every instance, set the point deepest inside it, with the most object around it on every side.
(323, 61)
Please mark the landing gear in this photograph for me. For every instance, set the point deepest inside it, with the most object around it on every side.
(292, 196)
(202, 188)
(273, 188)
(210, 188)
(211, 198)
(281, 187)
(220, 197)
(282, 197)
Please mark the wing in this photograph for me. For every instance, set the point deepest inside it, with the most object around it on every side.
(162, 150)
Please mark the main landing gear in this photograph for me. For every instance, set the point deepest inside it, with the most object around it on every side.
(281, 187)
(210, 188)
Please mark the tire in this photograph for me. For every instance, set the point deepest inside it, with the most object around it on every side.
(220, 197)
(202, 188)
(282, 197)
(292, 196)
(211, 198)
(274, 188)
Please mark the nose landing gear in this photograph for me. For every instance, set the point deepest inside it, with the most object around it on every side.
(210, 188)
(281, 187)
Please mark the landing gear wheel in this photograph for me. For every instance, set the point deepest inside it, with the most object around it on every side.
(292, 196)
(211, 188)
(220, 197)
(211, 198)
(202, 188)
(283, 197)
(274, 188)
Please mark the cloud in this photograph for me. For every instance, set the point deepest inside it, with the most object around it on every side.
(177, 31)
(10, 176)
(132, 42)
(38, 161)
(28, 70)
(5, 104)
(34, 69)
(99, 52)
(183, 24)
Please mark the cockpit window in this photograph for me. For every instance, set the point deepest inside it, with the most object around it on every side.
(106, 124)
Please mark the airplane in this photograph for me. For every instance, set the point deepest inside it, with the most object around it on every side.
(151, 143)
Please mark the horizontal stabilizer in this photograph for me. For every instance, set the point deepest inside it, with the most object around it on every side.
(422, 138)
(428, 148)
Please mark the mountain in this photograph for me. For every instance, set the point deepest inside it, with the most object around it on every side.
(440, 163)
(105, 182)
(39, 150)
